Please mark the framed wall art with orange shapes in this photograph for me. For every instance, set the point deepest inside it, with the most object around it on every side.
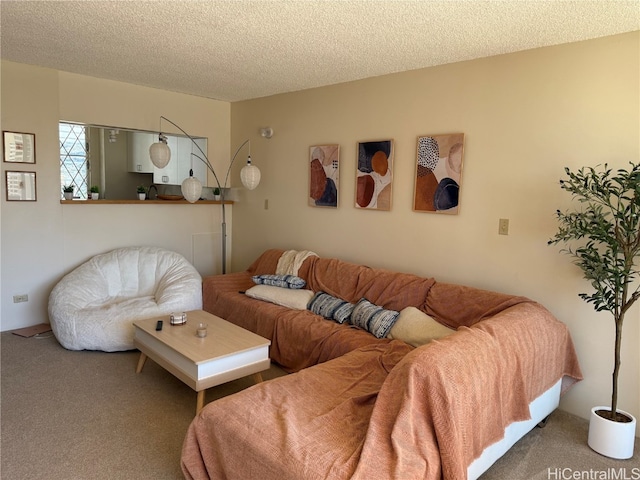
(324, 175)
(374, 175)
(438, 173)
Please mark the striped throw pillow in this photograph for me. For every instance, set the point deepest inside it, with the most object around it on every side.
(373, 318)
(284, 281)
(330, 307)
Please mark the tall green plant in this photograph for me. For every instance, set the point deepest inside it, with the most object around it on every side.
(604, 239)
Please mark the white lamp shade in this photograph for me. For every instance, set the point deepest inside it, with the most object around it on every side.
(191, 189)
(250, 175)
(160, 154)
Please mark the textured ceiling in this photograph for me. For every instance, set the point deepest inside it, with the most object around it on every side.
(242, 49)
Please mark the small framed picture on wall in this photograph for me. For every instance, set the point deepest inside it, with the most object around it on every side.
(324, 175)
(438, 173)
(19, 147)
(20, 186)
(374, 175)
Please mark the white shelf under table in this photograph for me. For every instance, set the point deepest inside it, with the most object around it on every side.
(227, 353)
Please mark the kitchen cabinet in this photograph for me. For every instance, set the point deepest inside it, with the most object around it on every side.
(169, 174)
(139, 160)
(182, 161)
(186, 161)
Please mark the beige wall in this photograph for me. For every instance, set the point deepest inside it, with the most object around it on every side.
(525, 117)
(42, 241)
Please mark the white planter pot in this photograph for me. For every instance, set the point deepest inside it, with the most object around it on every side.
(611, 439)
(142, 196)
(95, 196)
(68, 195)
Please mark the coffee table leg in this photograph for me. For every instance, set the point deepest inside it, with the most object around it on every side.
(200, 401)
(257, 377)
(141, 360)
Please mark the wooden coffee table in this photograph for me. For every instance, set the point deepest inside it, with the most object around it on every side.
(227, 353)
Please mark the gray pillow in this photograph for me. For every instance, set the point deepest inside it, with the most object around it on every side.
(330, 307)
(324, 304)
(284, 281)
(373, 318)
(342, 314)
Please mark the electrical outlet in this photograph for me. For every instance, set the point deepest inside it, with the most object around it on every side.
(503, 226)
(20, 298)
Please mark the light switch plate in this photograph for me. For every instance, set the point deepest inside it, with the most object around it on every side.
(503, 226)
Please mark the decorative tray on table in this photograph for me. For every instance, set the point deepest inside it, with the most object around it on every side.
(170, 197)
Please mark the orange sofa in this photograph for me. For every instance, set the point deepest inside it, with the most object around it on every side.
(367, 407)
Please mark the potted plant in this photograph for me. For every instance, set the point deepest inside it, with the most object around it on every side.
(603, 237)
(67, 191)
(142, 192)
(216, 193)
(95, 192)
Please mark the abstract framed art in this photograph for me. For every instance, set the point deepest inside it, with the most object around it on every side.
(374, 175)
(324, 175)
(438, 173)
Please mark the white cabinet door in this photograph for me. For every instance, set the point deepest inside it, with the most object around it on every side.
(186, 161)
(139, 160)
(182, 161)
(199, 167)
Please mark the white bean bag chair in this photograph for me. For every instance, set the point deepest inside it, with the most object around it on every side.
(94, 306)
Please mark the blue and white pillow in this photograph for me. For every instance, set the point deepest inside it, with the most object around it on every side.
(342, 314)
(324, 304)
(373, 318)
(330, 307)
(284, 281)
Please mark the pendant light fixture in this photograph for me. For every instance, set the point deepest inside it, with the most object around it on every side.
(160, 154)
(191, 188)
(250, 175)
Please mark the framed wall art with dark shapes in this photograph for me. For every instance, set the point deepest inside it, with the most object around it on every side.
(438, 173)
(374, 176)
(324, 175)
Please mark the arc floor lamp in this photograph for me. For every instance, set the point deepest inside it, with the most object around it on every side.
(160, 154)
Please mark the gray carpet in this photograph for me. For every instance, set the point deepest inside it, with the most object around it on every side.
(88, 415)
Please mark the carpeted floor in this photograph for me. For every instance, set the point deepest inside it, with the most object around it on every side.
(87, 415)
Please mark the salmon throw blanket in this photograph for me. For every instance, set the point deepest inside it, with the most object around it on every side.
(361, 407)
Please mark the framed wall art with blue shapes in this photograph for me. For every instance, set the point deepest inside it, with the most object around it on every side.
(374, 176)
(324, 175)
(438, 173)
